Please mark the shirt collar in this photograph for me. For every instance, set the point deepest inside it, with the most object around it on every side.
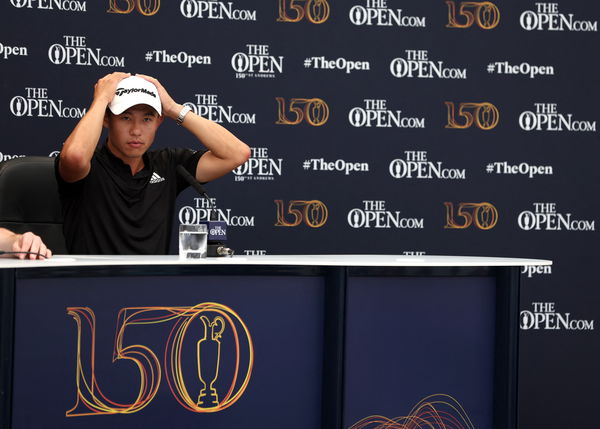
(123, 168)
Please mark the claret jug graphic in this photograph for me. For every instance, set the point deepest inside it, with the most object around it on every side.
(209, 356)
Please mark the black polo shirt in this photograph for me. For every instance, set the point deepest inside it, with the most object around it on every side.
(111, 212)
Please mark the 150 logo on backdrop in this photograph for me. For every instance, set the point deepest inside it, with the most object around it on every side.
(481, 215)
(312, 213)
(485, 14)
(484, 115)
(145, 7)
(313, 111)
(218, 344)
(314, 11)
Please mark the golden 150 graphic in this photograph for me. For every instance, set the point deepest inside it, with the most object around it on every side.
(145, 7)
(312, 212)
(315, 11)
(484, 115)
(483, 215)
(313, 111)
(485, 14)
(212, 334)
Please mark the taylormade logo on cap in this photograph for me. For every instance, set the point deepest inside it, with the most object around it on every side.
(123, 91)
(132, 91)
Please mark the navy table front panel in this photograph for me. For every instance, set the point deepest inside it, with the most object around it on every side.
(419, 350)
(283, 315)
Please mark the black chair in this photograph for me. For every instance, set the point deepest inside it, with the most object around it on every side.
(29, 200)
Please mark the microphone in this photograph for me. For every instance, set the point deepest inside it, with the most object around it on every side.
(38, 255)
(181, 170)
(217, 230)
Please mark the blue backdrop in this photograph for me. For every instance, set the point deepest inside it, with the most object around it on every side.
(405, 127)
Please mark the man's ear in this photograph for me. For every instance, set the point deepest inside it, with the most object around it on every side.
(161, 118)
(106, 117)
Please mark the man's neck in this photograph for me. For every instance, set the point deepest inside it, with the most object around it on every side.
(135, 164)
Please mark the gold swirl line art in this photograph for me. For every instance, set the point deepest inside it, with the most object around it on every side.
(438, 411)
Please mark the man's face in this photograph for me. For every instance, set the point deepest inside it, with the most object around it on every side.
(131, 133)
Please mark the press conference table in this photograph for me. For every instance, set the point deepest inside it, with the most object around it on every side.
(301, 341)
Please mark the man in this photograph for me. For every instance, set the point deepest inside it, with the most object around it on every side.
(23, 246)
(118, 198)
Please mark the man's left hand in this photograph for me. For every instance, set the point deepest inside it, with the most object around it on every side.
(170, 108)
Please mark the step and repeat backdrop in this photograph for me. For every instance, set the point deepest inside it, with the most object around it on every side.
(376, 126)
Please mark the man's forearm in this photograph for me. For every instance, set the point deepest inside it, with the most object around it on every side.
(221, 143)
(7, 238)
(216, 138)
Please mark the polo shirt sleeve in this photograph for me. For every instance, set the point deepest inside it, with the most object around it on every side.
(189, 159)
(66, 188)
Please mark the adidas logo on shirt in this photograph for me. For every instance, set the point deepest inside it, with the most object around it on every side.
(156, 178)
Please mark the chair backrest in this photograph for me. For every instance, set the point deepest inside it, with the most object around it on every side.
(29, 200)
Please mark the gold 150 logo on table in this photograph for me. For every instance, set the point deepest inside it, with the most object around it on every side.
(484, 115)
(485, 14)
(220, 346)
(316, 11)
(312, 212)
(312, 110)
(145, 7)
(482, 215)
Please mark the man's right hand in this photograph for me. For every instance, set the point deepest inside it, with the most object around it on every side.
(105, 88)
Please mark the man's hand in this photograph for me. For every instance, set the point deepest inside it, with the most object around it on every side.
(105, 88)
(29, 242)
(170, 108)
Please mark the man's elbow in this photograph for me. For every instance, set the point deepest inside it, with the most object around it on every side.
(242, 154)
(73, 165)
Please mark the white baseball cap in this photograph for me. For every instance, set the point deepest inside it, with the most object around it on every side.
(134, 90)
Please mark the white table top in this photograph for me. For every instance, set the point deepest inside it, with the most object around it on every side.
(292, 260)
